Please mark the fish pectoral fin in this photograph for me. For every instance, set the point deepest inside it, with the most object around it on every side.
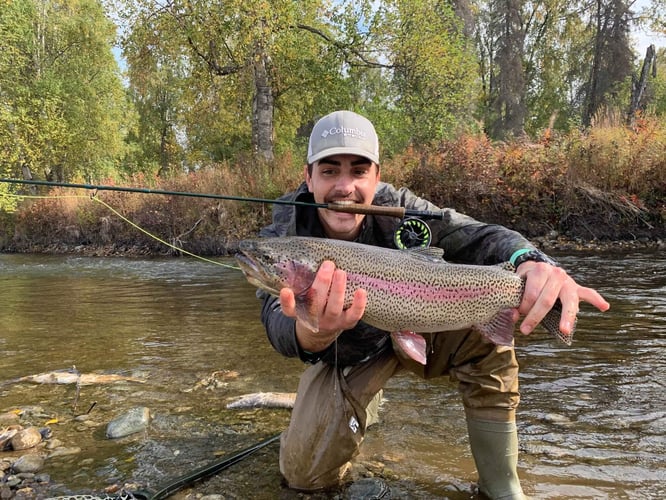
(305, 311)
(499, 330)
(412, 344)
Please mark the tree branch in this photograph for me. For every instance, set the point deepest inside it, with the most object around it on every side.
(347, 50)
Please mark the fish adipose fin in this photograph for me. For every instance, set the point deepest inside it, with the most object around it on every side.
(412, 344)
(499, 330)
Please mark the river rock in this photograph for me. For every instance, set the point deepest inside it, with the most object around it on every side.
(30, 462)
(8, 417)
(368, 488)
(53, 444)
(264, 400)
(26, 438)
(6, 436)
(63, 451)
(135, 420)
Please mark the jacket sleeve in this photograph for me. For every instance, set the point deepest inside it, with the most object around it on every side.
(280, 329)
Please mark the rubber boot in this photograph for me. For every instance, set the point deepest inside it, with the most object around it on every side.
(495, 449)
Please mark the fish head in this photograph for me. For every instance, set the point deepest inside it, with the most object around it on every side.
(271, 264)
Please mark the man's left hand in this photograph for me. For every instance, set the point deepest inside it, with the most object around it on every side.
(544, 284)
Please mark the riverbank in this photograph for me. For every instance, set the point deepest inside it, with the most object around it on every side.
(552, 243)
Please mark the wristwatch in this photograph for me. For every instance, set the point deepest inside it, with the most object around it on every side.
(310, 358)
(525, 254)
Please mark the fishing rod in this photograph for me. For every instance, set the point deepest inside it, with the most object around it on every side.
(411, 232)
(178, 483)
(204, 472)
(354, 208)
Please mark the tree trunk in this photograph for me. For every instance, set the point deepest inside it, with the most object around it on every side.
(639, 86)
(262, 110)
(509, 100)
(612, 58)
(463, 9)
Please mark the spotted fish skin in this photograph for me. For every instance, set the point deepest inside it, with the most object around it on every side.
(408, 291)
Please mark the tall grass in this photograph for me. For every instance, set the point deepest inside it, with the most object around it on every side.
(609, 183)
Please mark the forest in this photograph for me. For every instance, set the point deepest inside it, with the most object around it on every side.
(532, 114)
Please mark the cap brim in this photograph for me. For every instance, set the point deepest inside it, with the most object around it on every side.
(343, 150)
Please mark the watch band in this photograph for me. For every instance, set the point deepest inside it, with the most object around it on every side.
(525, 254)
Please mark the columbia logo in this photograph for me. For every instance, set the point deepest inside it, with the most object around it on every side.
(356, 133)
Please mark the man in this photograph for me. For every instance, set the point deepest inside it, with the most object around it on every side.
(351, 361)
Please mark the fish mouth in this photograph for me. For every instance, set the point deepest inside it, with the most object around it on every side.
(255, 273)
(247, 264)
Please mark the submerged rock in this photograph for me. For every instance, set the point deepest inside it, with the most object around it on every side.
(264, 400)
(63, 451)
(6, 436)
(28, 463)
(368, 488)
(135, 420)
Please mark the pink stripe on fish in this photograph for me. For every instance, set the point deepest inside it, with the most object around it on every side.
(413, 290)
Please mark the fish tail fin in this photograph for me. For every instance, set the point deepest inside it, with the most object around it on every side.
(412, 344)
(551, 322)
(499, 330)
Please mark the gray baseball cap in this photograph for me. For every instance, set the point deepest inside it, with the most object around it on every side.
(343, 132)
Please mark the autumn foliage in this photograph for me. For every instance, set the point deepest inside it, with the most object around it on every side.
(609, 183)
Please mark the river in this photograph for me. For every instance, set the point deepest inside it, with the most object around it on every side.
(592, 420)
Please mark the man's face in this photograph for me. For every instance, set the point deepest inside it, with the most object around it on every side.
(342, 178)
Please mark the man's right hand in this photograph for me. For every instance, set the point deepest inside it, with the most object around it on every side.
(326, 308)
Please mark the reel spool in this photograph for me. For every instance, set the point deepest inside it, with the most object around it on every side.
(412, 233)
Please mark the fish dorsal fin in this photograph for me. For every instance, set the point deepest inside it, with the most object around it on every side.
(431, 254)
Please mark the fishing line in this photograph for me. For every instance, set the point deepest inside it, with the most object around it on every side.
(156, 238)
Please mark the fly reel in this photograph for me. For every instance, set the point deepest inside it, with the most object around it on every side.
(412, 233)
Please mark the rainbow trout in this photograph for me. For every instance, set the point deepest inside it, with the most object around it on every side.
(409, 291)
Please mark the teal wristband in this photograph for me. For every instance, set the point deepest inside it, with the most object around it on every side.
(517, 254)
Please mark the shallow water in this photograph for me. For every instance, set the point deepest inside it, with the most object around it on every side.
(592, 418)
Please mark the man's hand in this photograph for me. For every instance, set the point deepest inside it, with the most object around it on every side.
(544, 284)
(328, 295)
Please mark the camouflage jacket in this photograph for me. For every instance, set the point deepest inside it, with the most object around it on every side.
(463, 239)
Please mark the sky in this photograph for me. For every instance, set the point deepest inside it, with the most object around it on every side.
(643, 39)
